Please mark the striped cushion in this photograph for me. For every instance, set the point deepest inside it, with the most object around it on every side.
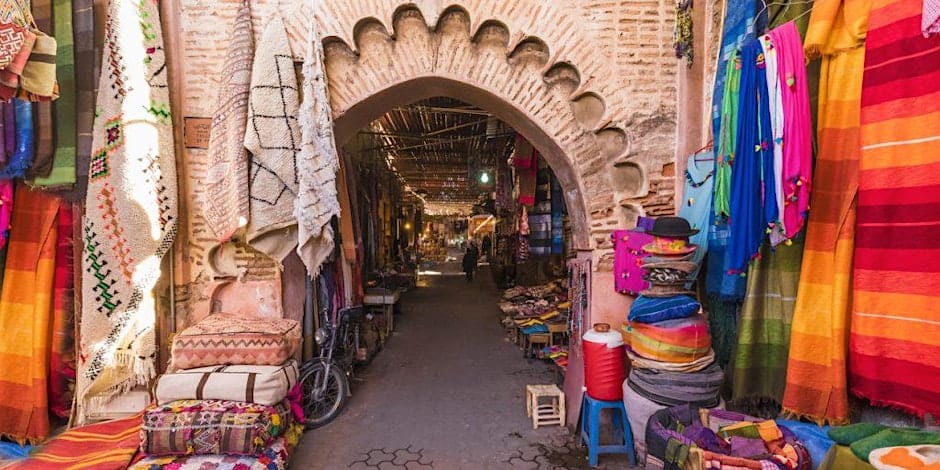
(679, 341)
(265, 385)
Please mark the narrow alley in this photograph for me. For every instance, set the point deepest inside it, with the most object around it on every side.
(446, 393)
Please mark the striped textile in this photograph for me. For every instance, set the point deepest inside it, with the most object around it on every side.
(760, 357)
(62, 169)
(25, 317)
(894, 353)
(110, 445)
(678, 388)
(816, 375)
(62, 358)
(683, 341)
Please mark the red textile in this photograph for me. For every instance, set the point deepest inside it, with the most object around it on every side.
(62, 359)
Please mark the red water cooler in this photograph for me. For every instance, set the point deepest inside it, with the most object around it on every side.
(604, 363)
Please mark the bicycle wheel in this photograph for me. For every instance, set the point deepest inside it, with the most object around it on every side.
(320, 410)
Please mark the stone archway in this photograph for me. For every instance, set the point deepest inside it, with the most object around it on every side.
(522, 60)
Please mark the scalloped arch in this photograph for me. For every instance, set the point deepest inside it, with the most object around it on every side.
(522, 60)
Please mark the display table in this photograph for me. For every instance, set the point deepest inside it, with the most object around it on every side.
(384, 299)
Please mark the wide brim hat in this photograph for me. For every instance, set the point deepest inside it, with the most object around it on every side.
(672, 227)
(661, 290)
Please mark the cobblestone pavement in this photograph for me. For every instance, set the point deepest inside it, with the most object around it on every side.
(446, 393)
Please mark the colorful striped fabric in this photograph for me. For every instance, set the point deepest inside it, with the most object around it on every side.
(25, 317)
(110, 445)
(816, 369)
(894, 354)
(760, 357)
(680, 341)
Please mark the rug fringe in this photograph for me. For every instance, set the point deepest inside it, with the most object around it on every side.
(819, 420)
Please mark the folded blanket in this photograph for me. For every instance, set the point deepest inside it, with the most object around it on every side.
(110, 445)
(677, 388)
(681, 340)
(264, 385)
(187, 427)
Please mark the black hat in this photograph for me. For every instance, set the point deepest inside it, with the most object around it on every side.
(672, 227)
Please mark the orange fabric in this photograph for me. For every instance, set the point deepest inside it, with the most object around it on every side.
(110, 445)
(25, 317)
(816, 371)
(901, 457)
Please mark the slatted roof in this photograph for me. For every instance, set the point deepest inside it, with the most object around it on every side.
(439, 147)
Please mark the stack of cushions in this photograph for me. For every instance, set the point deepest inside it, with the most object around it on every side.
(670, 348)
(687, 437)
(224, 404)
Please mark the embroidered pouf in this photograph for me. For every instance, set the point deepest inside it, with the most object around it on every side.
(212, 427)
(221, 339)
(681, 340)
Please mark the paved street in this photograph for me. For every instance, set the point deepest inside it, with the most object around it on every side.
(446, 393)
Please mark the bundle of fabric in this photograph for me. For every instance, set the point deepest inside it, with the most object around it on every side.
(682, 340)
(686, 437)
(675, 388)
(231, 398)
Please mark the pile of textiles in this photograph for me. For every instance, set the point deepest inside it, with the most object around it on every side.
(686, 437)
(869, 445)
(538, 310)
(669, 343)
(110, 445)
(557, 354)
(230, 400)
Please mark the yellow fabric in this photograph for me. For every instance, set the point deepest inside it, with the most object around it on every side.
(816, 372)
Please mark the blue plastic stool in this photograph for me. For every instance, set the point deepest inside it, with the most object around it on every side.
(590, 429)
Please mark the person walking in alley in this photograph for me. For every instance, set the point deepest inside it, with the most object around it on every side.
(470, 258)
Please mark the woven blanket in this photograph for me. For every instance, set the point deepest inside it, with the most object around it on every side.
(760, 357)
(43, 126)
(26, 317)
(317, 162)
(273, 138)
(188, 427)
(816, 367)
(683, 340)
(264, 385)
(62, 358)
(222, 339)
(110, 445)
(894, 353)
(677, 388)
(62, 171)
(274, 457)
(131, 205)
(226, 203)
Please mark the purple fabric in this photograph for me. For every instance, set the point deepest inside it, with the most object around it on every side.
(748, 448)
(645, 224)
(628, 256)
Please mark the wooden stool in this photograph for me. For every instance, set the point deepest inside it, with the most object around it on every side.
(556, 329)
(546, 413)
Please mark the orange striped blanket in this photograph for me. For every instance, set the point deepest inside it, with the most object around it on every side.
(816, 368)
(25, 317)
(894, 354)
(110, 445)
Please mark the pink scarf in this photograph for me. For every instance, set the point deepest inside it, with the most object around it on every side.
(797, 127)
(930, 19)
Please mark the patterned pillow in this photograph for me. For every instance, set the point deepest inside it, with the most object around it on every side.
(222, 339)
(657, 309)
(187, 427)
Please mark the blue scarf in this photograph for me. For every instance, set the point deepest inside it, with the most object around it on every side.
(753, 203)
